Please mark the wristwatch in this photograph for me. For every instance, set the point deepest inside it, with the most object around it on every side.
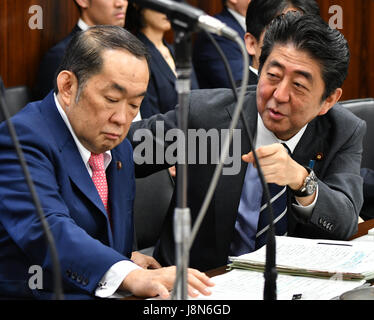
(309, 185)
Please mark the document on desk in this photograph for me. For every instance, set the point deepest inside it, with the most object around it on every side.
(240, 284)
(319, 258)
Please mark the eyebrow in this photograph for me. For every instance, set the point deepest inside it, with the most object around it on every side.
(305, 74)
(123, 90)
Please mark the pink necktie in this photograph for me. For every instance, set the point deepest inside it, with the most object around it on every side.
(96, 163)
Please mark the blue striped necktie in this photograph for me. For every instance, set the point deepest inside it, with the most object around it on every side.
(278, 196)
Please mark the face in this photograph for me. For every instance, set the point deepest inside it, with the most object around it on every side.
(156, 20)
(104, 12)
(109, 100)
(239, 6)
(289, 91)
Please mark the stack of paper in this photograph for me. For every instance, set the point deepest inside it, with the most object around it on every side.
(316, 258)
(249, 285)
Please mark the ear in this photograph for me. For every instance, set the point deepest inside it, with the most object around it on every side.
(67, 85)
(250, 43)
(84, 4)
(330, 101)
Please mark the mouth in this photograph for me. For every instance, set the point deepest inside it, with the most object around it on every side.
(276, 115)
(112, 136)
(120, 15)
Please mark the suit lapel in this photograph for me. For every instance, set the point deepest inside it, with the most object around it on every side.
(75, 167)
(116, 176)
(312, 145)
(228, 191)
(233, 23)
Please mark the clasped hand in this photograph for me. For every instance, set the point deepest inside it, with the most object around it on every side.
(277, 166)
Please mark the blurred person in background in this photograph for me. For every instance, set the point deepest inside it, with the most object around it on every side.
(150, 27)
(92, 12)
(207, 62)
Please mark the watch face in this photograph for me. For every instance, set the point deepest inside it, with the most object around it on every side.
(311, 184)
(311, 187)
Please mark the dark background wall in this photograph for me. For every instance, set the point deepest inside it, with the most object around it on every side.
(21, 48)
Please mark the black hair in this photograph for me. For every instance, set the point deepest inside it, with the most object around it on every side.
(261, 12)
(83, 55)
(134, 19)
(311, 34)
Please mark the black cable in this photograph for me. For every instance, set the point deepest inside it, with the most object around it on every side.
(270, 273)
(49, 237)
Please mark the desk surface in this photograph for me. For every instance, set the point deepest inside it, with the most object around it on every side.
(363, 229)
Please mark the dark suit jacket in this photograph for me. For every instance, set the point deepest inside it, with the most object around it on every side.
(252, 79)
(207, 62)
(86, 245)
(49, 65)
(337, 136)
(367, 211)
(161, 94)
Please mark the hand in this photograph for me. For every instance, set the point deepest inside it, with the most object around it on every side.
(150, 283)
(173, 171)
(278, 167)
(144, 261)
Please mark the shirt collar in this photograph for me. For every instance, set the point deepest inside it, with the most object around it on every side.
(254, 70)
(265, 137)
(238, 17)
(81, 24)
(85, 154)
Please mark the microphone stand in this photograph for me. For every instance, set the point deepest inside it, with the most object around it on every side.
(182, 216)
(56, 268)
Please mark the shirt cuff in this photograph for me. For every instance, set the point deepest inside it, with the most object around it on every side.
(305, 211)
(113, 278)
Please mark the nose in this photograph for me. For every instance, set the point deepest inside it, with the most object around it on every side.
(120, 3)
(120, 116)
(282, 92)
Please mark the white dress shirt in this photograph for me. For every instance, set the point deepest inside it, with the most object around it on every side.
(81, 24)
(254, 70)
(113, 278)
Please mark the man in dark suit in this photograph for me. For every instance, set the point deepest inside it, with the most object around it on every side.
(302, 67)
(92, 12)
(209, 67)
(259, 15)
(82, 165)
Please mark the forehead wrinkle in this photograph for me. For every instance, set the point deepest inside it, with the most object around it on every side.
(117, 87)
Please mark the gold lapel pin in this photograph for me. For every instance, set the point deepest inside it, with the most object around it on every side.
(119, 165)
(319, 156)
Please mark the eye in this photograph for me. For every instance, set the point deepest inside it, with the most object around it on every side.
(272, 76)
(134, 106)
(299, 86)
(111, 100)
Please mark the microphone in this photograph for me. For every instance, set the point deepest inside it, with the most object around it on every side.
(189, 17)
